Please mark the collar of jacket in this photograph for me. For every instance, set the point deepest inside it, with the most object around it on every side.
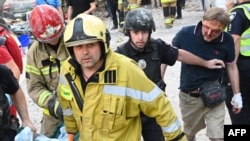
(106, 74)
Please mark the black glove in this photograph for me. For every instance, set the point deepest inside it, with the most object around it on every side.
(54, 108)
(59, 112)
(162, 85)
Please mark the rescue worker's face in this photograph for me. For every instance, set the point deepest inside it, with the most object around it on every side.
(88, 55)
(211, 29)
(139, 38)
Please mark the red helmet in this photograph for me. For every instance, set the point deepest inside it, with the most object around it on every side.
(46, 23)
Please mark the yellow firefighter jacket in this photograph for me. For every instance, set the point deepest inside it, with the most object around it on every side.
(112, 101)
(128, 4)
(42, 72)
(167, 1)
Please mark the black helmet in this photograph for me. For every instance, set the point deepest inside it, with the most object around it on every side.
(139, 19)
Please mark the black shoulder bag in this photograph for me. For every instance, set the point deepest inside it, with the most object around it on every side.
(212, 93)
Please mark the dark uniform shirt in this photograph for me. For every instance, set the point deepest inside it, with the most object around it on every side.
(190, 38)
(167, 53)
(8, 82)
(238, 21)
(155, 53)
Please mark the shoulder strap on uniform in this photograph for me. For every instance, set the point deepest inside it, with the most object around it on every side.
(153, 43)
(160, 42)
(52, 60)
(123, 49)
(76, 92)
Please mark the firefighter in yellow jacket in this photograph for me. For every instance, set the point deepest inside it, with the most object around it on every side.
(127, 5)
(43, 64)
(102, 93)
(169, 11)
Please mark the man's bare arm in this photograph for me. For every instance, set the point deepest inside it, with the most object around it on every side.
(20, 104)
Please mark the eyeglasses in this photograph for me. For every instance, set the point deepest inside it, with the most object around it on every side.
(213, 31)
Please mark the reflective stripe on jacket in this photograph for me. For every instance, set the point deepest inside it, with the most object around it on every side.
(245, 37)
(113, 101)
(132, 6)
(42, 72)
(167, 1)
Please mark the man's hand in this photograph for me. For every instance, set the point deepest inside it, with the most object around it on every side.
(71, 137)
(55, 108)
(237, 103)
(28, 123)
(59, 112)
(215, 64)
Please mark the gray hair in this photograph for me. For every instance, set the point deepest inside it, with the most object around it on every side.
(217, 14)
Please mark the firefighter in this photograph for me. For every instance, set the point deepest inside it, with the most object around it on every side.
(44, 59)
(125, 6)
(169, 11)
(102, 93)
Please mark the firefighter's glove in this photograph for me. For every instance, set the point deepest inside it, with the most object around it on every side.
(162, 85)
(54, 108)
(237, 100)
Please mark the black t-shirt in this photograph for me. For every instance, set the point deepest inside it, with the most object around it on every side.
(8, 82)
(190, 38)
(79, 6)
